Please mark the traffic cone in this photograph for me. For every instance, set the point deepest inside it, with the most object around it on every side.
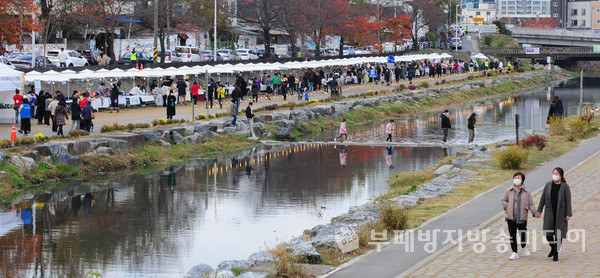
(141, 66)
(13, 134)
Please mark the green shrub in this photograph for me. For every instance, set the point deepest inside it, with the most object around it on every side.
(512, 157)
(393, 217)
(557, 126)
(401, 88)
(77, 133)
(424, 84)
(577, 127)
(5, 144)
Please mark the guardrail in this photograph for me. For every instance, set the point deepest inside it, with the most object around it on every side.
(555, 32)
(543, 51)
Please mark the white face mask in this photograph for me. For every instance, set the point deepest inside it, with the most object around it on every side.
(517, 182)
(555, 177)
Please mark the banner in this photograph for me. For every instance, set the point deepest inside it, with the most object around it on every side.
(388, 47)
(532, 50)
(281, 49)
(596, 48)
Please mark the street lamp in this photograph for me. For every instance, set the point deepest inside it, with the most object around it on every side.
(214, 39)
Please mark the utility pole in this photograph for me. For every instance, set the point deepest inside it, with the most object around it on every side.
(155, 54)
(580, 93)
(215, 41)
(168, 25)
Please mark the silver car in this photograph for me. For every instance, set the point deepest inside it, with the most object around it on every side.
(171, 56)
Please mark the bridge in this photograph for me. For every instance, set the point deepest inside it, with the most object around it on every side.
(573, 53)
(545, 37)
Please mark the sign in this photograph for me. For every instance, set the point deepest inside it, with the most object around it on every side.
(372, 73)
(478, 19)
(596, 48)
(391, 59)
(532, 50)
(388, 47)
(281, 49)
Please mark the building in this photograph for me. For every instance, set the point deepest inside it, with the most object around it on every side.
(558, 11)
(595, 14)
(579, 15)
(517, 10)
(479, 11)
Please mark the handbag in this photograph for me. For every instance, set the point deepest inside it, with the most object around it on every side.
(92, 115)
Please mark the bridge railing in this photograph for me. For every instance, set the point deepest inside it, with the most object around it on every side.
(543, 51)
(554, 32)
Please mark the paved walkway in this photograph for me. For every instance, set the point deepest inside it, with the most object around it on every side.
(394, 261)
(147, 114)
(574, 261)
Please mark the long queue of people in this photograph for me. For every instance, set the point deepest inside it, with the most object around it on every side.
(52, 110)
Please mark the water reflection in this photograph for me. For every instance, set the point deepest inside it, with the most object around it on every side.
(204, 211)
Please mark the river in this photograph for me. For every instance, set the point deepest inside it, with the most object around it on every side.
(161, 223)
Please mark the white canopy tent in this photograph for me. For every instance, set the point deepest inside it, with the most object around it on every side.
(10, 80)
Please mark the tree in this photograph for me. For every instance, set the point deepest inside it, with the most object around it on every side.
(265, 14)
(321, 18)
(16, 17)
(289, 21)
(102, 15)
(398, 28)
(425, 15)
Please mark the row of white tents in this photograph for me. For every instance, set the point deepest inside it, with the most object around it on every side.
(67, 75)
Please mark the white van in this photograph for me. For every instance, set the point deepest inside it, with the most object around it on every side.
(189, 53)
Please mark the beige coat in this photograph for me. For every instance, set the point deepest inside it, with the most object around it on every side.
(509, 203)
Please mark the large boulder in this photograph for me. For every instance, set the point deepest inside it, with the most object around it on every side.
(406, 201)
(105, 150)
(193, 139)
(135, 141)
(3, 157)
(284, 134)
(304, 251)
(69, 160)
(237, 264)
(261, 257)
(285, 123)
(199, 271)
(283, 115)
(442, 170)
(342, 237)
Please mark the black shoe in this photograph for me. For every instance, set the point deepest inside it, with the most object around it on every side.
(555, 256)
(20, 131)
(551, 253)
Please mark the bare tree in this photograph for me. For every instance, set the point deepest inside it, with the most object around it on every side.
(265, 14)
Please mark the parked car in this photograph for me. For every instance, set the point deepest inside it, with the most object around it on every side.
(348, 50)
(87, 54)
(225, 55)
(456, 43)
(171, 56)
(189, 53)
(246, 54)
(207, 55)
(16, 54)
(24, 62)
(73, 58)
(5, 61)
(143, 57)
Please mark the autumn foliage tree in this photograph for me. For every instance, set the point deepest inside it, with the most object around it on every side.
(16, 18)
(541, 23)
(398, 28)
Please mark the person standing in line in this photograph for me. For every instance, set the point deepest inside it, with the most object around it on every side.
(114, 97)
(471, 122)
(340, 84)
(18, 99)
(52, 108)
(87, 114)
(194, 90)
(284, 87)
(171, 100)
(181, 90)
(556, 199)
(445, 125)
(220, 94)
(41, 107)
(233, 111)
(255, 87)
(75, 114)
(250, 117)
(517, 202)
(389, 129)
(47, 112)
(61, 116)
(343, 131)
(236, 95)
(25, 111)
(165, 89)
(212, 89)
(62, 58)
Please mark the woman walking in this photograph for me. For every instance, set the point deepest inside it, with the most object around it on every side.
(471, 121)
(389, 129)
(61, 116)
(343, 131)
(517, 202)
(556, 198)
(171, 100)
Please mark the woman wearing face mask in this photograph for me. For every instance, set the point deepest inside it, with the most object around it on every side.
(517, 201)
(557, 199)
